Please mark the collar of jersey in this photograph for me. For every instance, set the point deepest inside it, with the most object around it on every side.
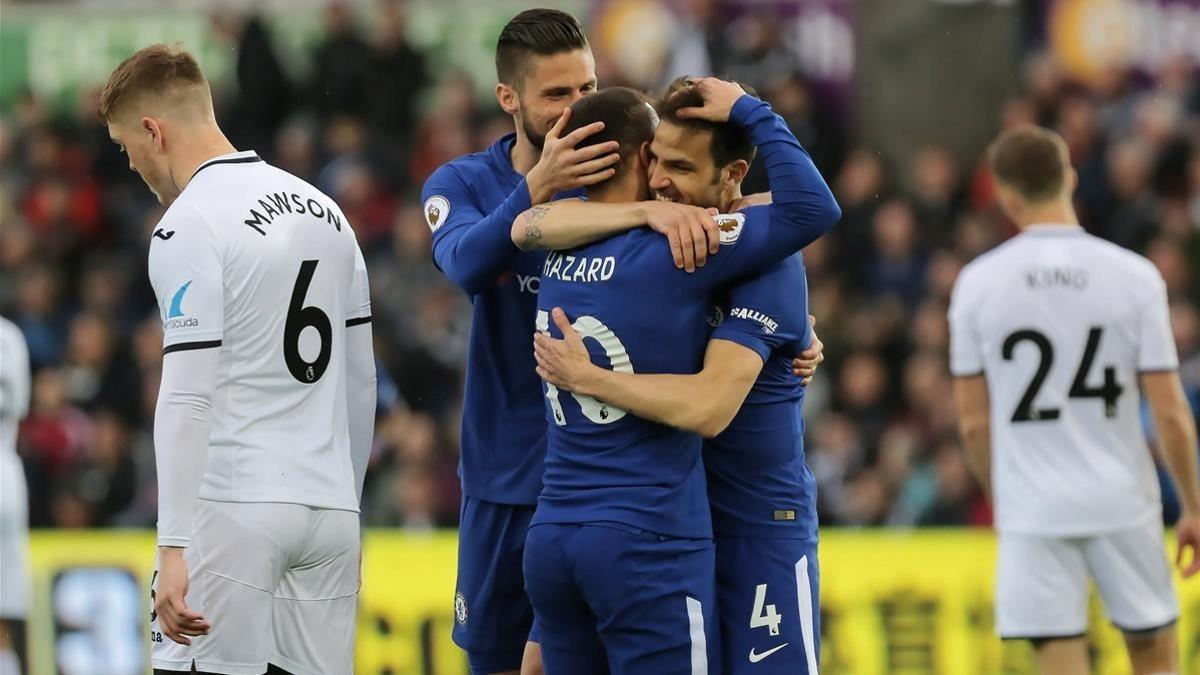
(1053, 228)
(243, 157)
(500, 152)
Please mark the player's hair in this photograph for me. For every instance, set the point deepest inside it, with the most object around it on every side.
(535, 32)
(161, 70)
(729, 141)
(1032, 161)
(629, 119)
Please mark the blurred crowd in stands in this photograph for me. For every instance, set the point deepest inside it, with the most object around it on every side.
(880, 437)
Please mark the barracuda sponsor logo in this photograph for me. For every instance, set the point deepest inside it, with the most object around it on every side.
(176, 318)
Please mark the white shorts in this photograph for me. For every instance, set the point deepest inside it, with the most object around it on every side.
(278, 583)
(14, 539)
(1042, 589)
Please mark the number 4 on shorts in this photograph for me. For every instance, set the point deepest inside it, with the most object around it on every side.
(764, 614)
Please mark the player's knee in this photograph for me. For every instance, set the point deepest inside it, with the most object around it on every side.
(1154, 639)
(1041, 643)
(1153, 651)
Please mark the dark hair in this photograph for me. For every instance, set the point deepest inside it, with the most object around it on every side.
(151, 70)
(729, 142)
(628, 116)
(541, 32)
(1031, 160)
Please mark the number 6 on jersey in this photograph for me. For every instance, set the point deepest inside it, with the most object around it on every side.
(300, 317)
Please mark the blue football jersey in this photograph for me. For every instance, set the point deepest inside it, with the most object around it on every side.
(470, 204)
(638, 313)
(758, 482)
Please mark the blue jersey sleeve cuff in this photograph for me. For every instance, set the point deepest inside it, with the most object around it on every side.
(520, 199)
(749, 341)
(744, 109)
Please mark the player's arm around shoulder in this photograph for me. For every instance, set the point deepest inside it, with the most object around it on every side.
(690, 230)
(703, 403)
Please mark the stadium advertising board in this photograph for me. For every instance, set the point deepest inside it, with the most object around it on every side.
(892, 603)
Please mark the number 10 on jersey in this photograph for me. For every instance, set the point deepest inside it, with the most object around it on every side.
(596, 411)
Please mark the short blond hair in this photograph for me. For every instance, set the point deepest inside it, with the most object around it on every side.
(164, 71)
(1032, 161)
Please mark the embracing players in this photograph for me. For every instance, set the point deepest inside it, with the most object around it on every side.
(266, 408)
(761, 493)
(1055, 334)
(543, 64)
(619, 560)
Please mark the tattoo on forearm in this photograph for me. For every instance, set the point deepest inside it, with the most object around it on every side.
(533, 225)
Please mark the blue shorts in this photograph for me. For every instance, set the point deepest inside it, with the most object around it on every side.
(770, 615)
(612, 598)
(492, 615)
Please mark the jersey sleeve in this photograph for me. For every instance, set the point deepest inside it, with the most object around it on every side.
(1156, 342)
(358, 302)
(966, 346)
(472, 248)
(14, 372)
(762, 312)
(361, 379)
(186, 271)
(802, 207)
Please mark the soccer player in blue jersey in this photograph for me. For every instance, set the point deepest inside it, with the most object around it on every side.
(543, 64)
(619, 559)
(761, 493)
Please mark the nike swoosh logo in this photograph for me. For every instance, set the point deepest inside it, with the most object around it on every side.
(755, 658)
(164, 235)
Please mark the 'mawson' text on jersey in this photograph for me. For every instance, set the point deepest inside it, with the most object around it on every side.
(579, 268)
(276, 203)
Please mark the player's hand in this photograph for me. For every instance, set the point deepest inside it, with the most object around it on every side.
(805, 365)
(691, 231)
(1187, 536)
(177, 621)
(756, 199)
(563, 363)
(719, 97)
(562, 167)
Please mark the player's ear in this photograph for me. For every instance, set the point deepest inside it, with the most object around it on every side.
(735, 171)
(644, 154)
(153, 130)
(507, 97)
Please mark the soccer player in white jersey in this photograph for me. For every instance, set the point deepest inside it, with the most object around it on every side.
(1055, 335)
(265, 413)
(14, 503)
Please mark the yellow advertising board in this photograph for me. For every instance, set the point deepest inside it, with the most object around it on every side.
(892, 602)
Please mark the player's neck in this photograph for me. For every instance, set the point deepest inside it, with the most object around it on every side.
(523, 154)
(625, 189)
(1056, 213)
(203, 146)
(728, 200)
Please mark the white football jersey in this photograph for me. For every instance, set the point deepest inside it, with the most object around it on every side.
(14, 384)
(263, 266)
(1061, 323)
